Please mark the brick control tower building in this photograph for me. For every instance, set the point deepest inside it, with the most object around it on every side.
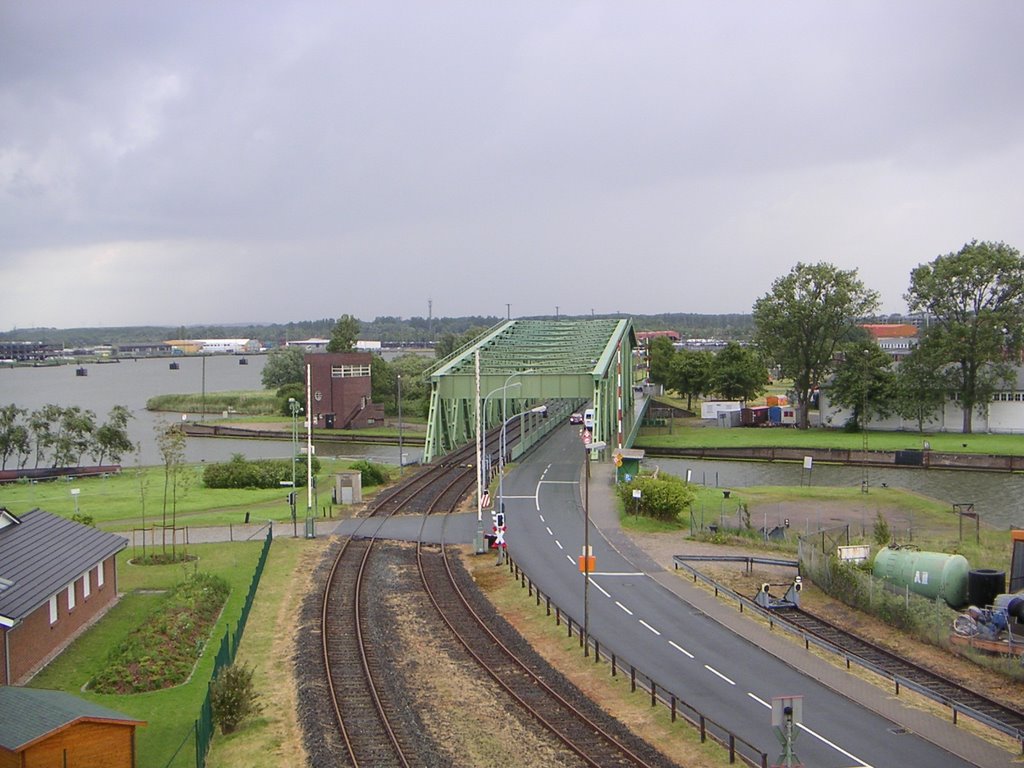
(341, 391)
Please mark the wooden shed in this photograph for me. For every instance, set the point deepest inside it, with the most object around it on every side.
(53, 728)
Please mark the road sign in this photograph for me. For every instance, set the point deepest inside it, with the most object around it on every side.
(586, 437)
(485, 499)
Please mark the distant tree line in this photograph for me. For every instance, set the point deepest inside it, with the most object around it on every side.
(61, 437)
(808, 327)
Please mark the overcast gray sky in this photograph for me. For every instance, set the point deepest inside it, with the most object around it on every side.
(217, 162)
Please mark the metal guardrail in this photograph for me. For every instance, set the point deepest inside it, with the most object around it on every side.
(737, 747)
(898, 681)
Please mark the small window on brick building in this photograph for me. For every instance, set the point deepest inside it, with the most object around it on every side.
(53, 609)
(86, 586)
(71, 596)
(99, 576)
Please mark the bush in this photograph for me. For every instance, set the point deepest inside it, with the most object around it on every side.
(373, 474)
(233, 697)
(662, 498)
(239, 472)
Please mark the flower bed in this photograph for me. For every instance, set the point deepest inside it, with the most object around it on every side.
(163, 652)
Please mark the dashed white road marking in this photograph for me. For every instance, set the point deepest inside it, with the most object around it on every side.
(623, 607)
(559, 544)
(681, 649)
(598, 586)
(649, 627)
(714, 671)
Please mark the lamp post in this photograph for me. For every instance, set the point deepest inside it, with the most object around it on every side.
(294, 406)
(400, 461)
(586, 561)
(501, 457)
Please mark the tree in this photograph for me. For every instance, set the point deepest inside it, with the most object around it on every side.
(450, 342)
(112, 436)
(285, 365)
(690, 374)
(14, 438)
(921, 385)
(864, 382)
(975, 302)
(803, 319)
(40, 424)
(660, 353)
(170, 442)
(737, 373)
(233, 697)
(344, 334)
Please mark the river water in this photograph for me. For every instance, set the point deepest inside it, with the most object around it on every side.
(131, 383)
(996, 496)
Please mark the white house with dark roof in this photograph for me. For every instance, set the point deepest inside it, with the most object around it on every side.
(56, 577)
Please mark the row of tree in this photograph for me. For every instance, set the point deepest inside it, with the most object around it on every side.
(808, 328)
(61, 436)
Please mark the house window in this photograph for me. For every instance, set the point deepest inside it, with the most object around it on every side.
(99, 576)
(86, 586)
(53, 609)
(71, 596)
(349, 371)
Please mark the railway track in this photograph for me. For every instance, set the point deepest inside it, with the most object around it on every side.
(590, 741)
(936, 686)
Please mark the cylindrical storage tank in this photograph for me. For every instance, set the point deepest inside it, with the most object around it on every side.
(983, 584)
(929, 574)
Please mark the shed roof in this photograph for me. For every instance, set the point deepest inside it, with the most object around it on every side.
(33, 713)
(40, 554)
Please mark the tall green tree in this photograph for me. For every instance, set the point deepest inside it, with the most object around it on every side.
(660, 354)
(864, 382)
(690, 374)
(14, 436)
(112, 436)
(344, 334)
(921, 385)
(285, 365)
(975, 302)
(802, 321)
(737, 373)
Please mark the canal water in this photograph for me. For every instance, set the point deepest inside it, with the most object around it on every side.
(996, 496)
(132, 382)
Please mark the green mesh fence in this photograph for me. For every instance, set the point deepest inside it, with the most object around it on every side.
(229, 643)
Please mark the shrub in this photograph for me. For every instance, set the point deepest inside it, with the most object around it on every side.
(233, 697)
(662, 498)
(240, 472)
(373, 474)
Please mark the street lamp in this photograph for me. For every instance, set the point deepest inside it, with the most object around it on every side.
(400, 461)
(586, 561)
(483, 478)
(295, 407)
(501, 455)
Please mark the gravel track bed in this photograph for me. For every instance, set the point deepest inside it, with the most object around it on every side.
(460, 717)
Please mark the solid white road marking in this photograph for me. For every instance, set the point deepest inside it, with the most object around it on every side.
(714, 671)
(680, 649)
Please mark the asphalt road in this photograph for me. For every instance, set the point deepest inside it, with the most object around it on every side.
(675, 634)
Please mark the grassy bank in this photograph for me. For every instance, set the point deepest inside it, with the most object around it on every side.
(691, 433)
(251, 402)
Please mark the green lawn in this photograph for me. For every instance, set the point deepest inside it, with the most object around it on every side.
(683, 434)
(135, 498)
(170, 713)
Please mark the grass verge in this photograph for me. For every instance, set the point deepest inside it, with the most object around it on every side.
(170, 713)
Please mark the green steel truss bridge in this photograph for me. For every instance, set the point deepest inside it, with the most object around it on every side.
(518, 365)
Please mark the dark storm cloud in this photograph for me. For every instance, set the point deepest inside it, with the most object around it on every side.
(455, 150)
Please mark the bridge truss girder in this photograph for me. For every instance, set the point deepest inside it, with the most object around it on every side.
(523, 363)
